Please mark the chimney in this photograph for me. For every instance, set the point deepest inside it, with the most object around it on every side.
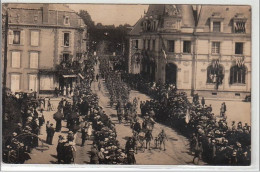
(45, 13)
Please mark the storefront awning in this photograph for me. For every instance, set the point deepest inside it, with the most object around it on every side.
(69, 76)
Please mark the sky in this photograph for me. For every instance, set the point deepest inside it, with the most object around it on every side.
(112, 14)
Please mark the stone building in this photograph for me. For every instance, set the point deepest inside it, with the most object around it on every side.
(204, 49)
(42, 39)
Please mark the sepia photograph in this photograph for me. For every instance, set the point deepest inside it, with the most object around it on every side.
(126, 84)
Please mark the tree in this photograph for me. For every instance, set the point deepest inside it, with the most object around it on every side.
(87, 19)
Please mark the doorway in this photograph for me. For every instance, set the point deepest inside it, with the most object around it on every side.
(171, 74)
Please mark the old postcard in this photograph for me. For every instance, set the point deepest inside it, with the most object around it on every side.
(114, 84)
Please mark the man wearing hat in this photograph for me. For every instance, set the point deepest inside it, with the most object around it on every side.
(50, 134)
(84, 131)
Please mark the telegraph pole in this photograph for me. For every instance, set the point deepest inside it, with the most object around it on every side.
(5, 62)
(5, 50)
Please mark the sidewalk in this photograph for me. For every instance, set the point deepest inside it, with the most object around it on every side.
(50, 156)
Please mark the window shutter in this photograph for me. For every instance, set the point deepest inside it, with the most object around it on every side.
(16, 59)
(22, 37)
(34, 57)
(10, 36)
(62, 39)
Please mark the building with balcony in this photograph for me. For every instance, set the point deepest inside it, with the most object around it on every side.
(43, 40)
(200, 48)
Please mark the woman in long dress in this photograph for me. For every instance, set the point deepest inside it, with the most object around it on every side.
(89, 131)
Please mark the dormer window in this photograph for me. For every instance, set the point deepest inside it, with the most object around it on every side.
(216, 23)
(66, 20)
(239, 23)
(240, 27)
(216, 26)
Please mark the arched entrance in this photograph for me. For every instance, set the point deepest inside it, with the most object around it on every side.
(171, 74)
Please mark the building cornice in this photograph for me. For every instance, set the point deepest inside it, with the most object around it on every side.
(45, 26)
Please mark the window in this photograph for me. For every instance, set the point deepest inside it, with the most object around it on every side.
(66, 57)
(15, 82)
(148, 46)
(239, 48)
(154, 25)
(136, 44)
(144, 47)
(240, 27)
(34, 59)
(46, 82)
(16, 59)
(66, 20)
(32, 82)
(238, 75)
(17, 37)
(215, 47)
(66, 39)
(215, 74)
(78, 56)
(34, 38)
(186, 47)
(153, 44)
(35, 18)
(216, 26)
(171, 46)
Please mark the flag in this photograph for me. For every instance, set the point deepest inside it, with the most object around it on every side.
(240, 61)
(164, 54)
(163, 50)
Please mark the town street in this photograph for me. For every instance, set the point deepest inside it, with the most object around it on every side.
(177, 146)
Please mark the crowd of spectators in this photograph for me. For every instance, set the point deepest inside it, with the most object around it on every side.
(211, 139)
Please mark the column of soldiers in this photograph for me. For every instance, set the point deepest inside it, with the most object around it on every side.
(211, 139)
(117, 89)
(86, 116)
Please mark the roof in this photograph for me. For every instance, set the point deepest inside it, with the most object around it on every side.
(137, 27)
(185, 10)
(225, 12)
(29, 6)
(157, 9)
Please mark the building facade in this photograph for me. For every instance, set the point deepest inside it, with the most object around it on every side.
(40, 38)
(199, 48)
